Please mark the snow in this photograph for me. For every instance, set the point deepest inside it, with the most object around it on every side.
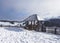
(20, 35)
(39, 18)
(7, 23)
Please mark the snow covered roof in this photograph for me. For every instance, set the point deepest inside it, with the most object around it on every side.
(39, 18)
(31, 18)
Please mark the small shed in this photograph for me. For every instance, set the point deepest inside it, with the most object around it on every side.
(32, 22)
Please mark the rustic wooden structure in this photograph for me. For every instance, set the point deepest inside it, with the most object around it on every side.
(32, 23)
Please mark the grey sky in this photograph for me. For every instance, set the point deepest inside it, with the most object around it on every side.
(20, 9)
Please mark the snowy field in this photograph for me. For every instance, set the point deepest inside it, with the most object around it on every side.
(20, 35)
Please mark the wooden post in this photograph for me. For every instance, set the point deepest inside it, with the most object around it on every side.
(34, 22)
(55, 30)
(31, 24)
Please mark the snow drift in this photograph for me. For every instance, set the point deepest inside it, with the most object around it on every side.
(20, 35)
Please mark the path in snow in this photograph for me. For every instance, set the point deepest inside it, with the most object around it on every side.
(16, 35)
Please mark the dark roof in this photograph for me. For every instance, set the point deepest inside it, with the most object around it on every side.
(31, 18)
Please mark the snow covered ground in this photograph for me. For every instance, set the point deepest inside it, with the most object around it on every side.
(20, 35)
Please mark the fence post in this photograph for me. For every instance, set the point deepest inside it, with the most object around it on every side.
(55, 30)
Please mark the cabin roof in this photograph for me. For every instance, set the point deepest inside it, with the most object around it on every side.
(31, 18)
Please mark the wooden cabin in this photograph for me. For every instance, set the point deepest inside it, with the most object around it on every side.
(32, 23)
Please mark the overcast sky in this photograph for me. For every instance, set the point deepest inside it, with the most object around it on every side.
(20, 9)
